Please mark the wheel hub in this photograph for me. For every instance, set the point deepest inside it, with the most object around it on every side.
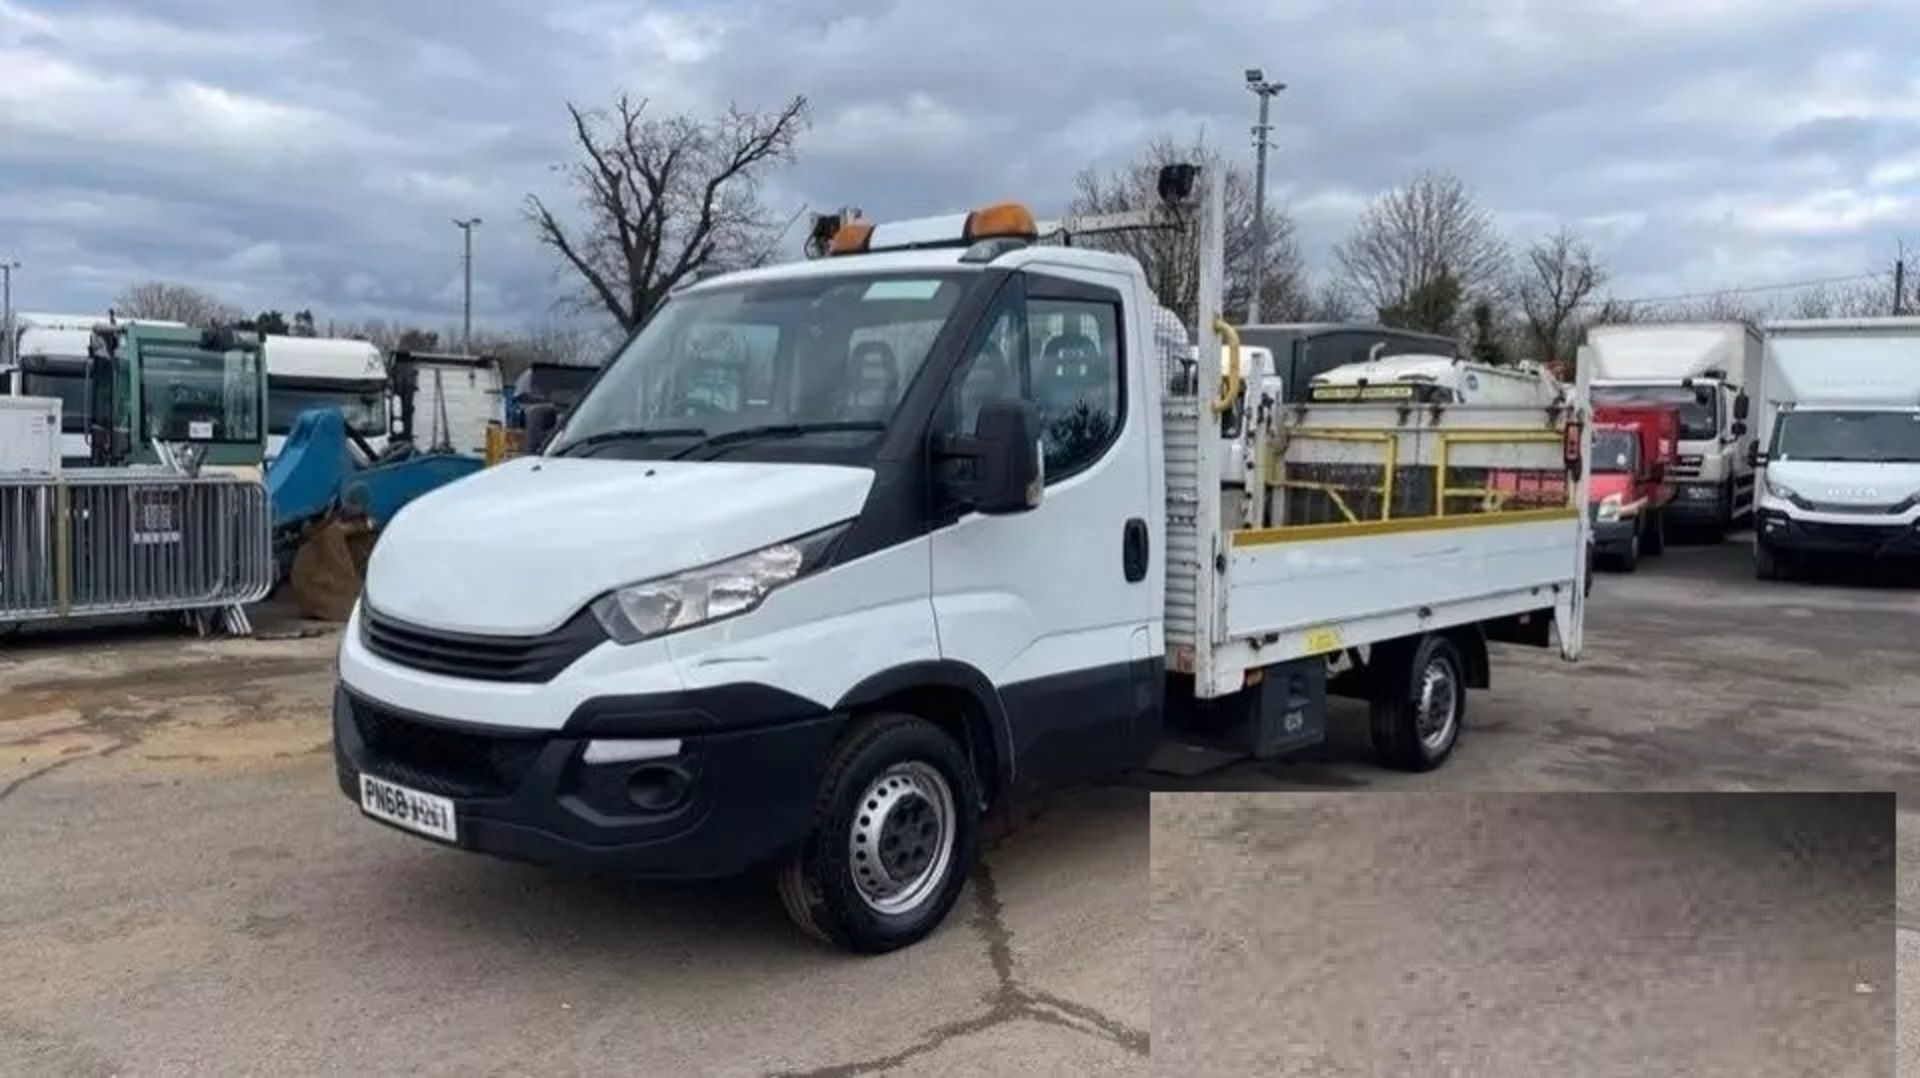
(902, 837)
(1438, 706)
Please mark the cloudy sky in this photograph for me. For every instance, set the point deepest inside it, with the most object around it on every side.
(291, 154)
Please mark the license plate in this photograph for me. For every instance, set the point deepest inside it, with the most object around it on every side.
(411, 809)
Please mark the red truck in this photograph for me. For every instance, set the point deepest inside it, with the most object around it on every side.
(1634, 447)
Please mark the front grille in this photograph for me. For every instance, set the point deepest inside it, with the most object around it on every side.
(477, 657)
(1852, 510)
(442, 760)
(1865, 536)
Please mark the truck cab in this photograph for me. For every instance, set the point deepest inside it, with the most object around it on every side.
(175, 384)
(304, 373)
(1840, 462)
(1707, 370)
(1634, 448)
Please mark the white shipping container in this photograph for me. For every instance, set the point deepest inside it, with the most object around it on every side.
(29, 436)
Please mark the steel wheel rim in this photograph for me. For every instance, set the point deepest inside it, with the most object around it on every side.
(1437, 707)
(901, 839)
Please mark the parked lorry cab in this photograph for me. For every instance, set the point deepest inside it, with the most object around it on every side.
(1301, 350)
(1634, 450)
(151, 386)
(304, 373)
(1707, 369)
(1428, 379)
(1840, 431)
(49, 359)
(836, 555)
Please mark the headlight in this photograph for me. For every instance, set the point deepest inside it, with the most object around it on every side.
(722, 590)
(1780, 490)
(1610, 507)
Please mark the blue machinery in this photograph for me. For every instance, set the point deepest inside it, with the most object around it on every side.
(327, 504)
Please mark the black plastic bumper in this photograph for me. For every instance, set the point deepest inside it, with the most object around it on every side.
(1881, 542)
(1612, 537)
(1691, 506)
(734, 799)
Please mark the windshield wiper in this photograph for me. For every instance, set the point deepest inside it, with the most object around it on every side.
(625, 434)
(731, 438)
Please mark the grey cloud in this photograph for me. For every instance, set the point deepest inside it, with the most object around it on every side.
(1630, 114)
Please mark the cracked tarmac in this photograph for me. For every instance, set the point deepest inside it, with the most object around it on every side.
(186, 892)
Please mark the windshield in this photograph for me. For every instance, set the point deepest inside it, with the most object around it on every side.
(815, 350)
(1615, 451)
(1697, 418)
(365, 406)
(1848, 436)
(70, 388)
(192, 394)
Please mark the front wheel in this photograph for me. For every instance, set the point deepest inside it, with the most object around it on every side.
(1770, 566)
(895, 831)
(1416, 727)
(1655, 541)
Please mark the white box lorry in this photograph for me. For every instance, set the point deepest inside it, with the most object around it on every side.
(1707, 369)
(1839, 448)
(836, 555)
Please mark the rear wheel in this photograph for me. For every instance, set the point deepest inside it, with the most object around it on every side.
(1629, 558)
(895, 831)
(1416, 723)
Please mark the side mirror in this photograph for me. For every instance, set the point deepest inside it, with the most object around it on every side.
(542, 420)
(1740, 405)
(1756, 457)
(1738, 429)
(1006, 473)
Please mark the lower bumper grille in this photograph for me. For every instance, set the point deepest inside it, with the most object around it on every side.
(442, 760)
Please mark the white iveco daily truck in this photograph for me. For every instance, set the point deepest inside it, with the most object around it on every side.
(1708, 369)
(835, 555)
(1839, 449)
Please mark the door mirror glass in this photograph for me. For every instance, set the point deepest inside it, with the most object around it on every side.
(999, 467)
(1740, 406)
(542, 420)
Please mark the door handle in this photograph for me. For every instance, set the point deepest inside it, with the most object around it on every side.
(1133, 550)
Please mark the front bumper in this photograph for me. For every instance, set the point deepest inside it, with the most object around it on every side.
(738, 798)
(1782, 534)
(1696, 503)
(1612, 536)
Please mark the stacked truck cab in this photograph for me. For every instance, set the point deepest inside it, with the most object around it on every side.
(1707, 371)
(1840, 444)
(1631, 488)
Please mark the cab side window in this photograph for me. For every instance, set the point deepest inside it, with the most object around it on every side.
(1065, 356)
(1076, 379)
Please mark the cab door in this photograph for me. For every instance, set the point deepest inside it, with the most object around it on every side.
(1059, 606)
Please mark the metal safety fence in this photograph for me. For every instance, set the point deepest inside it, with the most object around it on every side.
(129, 541)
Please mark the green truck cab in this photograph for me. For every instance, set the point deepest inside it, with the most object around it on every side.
(176, 384)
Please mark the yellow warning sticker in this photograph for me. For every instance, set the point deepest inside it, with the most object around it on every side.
(1322, 640)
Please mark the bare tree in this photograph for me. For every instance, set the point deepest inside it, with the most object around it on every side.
(1412, 236)
(1858, 299)
(1171, 258)
(1557, 276)
(666, 198)
(173, 302)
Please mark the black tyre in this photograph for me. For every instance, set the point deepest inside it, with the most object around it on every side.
(1629, 559)
(895, 831)
(1654, 543)
(1770, 566)
(1417, 722)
